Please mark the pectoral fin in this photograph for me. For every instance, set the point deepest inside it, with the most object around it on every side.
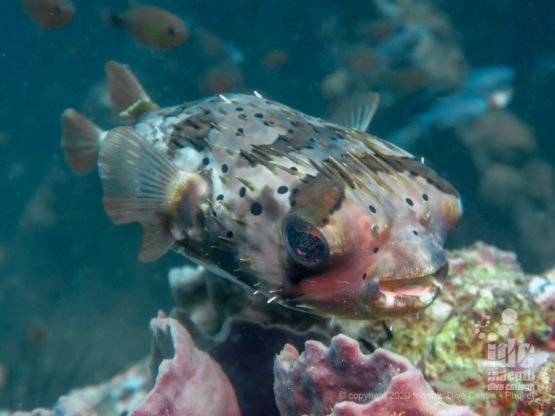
(142, 185)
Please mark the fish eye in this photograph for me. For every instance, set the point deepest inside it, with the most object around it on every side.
(305, 244)
(172, 31)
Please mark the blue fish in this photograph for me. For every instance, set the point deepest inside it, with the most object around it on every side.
(487, 80)
(483, 89)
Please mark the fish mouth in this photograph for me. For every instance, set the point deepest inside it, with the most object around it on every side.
(398, 296)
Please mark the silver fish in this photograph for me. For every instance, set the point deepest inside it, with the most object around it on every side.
(317, 215)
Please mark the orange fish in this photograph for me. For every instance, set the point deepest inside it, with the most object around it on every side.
(152, 26)
(50, 14)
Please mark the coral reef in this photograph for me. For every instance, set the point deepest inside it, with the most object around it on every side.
(188, 381)
(342, 379)
(484, 347)
(473, 340)
(258, 344)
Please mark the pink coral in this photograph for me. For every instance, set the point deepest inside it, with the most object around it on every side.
(342, 381)
(189, 382)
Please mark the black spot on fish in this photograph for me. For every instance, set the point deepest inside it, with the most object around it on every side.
(229, 234)
(259, 115)
(282, 190)
(409, 202)
(376, 249)
(372, 209)
(242, 192)
(294, 168)
(225, 168)
(425, 197)
(239, 109)
(243, 116)
(220, 197)
(364, 276)
(256, 208)
(415, 232)
(205, 161)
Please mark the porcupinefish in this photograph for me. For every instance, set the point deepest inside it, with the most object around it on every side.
(319, 216)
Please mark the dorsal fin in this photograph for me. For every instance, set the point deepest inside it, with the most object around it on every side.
(127, 94)
(357, 112)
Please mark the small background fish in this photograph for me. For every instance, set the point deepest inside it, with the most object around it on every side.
(152, 26)
(50, 14)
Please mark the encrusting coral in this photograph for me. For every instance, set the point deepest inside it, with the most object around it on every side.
(188, 381)
(341, 381)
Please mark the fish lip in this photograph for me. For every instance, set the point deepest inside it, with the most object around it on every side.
(398, 296)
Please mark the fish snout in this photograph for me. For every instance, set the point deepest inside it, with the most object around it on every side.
(404, 281)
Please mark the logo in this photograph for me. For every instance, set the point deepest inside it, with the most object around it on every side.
(508, 364)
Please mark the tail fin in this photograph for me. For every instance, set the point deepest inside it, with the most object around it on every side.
(80, 140)
(126, 92)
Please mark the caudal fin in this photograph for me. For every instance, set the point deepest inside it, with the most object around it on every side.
(128, 96)
(80, 140)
